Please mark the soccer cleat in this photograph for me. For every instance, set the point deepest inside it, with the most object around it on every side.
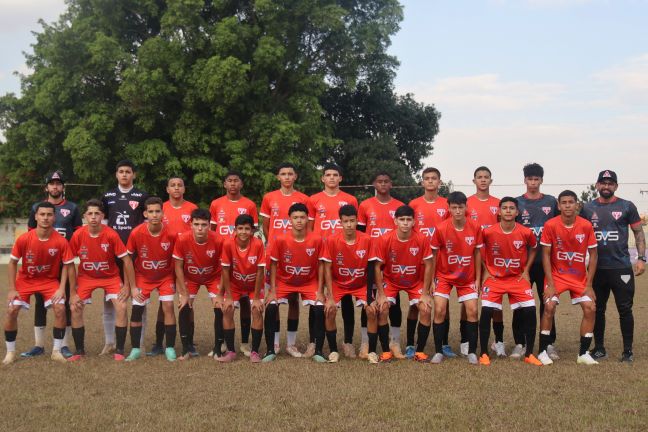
(484, 360)
(544, 358)
(499, 348)
(364, 351)
(156, 350)
(228, 357)
(373, 358)
(277, 348)
(245, 349)
(532, 360)
(334, 357)
(586, 359)
(627, 357)
(410, 351)
(76, 357)
(395, 349)
(472, 359)
(463, 349)
(518, 352)
(348, 350)
(135, 354)
(294, 352)
(57, 356)
(553, 354)
(184, 357)
(107, 349)
(65, 351)
(386, 357)
(310, 350)
(34, 352)
(437, 358)
(599, 353)
(193, 352)
(269, 357)
(10, 357)
(170, 354)
(255, 357)
(421, 357)
(319, 358)
(118, 357)
(447, 351)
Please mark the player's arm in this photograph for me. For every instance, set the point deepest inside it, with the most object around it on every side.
(12, 271)
(530, 259)
(380, 292)
(549, 290)
(478, 268)
(258, 284)
(60, 292)
(136, 292)
(320, 282)
(265, 227)
(225, 286)
(271, 294)
(591, 270)
(127, 265)
(640, 242)
(328, 281)
(74, 299)
(183, 295)
(426, 295)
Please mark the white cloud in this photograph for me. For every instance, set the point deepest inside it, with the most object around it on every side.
(628, 81)
(23, 15)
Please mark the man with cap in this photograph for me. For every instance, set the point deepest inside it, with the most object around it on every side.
(67, 220)
(611, 216)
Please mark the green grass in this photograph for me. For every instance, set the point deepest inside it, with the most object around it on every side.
(296, 394)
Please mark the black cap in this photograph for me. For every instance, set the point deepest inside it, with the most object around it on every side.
(607, 175)
(55, 175)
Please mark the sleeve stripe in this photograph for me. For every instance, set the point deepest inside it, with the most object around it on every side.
(325, 259)
(130, 252)
(68, 261)
(592, 246)
(264, 215)
(261, 265)
(14, 258)
(429, 256)
(375, 258)
(545, 244)
(177, 257)
(225, 264)
(274, 259)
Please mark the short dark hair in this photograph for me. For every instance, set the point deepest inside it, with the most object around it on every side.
(482, 168)
(568, 193)
(380, 173)
(533, 170)
(244, 219)
(404, 210)
(297, 207)
(233, 173)
(201, 213)
(431, 170)
(175, 177)
(94, 202)
(457, 197)
(44, 204)
(332, 166)
(347, 210)
(286, 165)
(153, 200)
(125, 163)
(509, 199)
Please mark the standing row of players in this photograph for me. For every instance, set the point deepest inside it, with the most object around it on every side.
(326, 273)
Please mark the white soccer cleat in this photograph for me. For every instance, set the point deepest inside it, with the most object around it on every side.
(57, 356)
(294, 352)
(499, 348)
(544, 358)
(518, 352)
(277, 348)
(334, 357)
(463, 349)
(364, 351)
(472, 359)
(245, 349)
(310, 350)
(553, 354)
(107, 349)
(586, 359)
(373, 358)
(437, 358)
(10, 357)
(348, 350)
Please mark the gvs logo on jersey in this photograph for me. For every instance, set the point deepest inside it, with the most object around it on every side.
(226, 230)
(507, 263)
(378, 232)
(32, 270)
(200, 271)
(282, 224)
(330, 224)
(351, 272)
(154, 265)
(606, 236)
(459, 259)
(403, 269)
(298, 271)
(571, 257)
(245, 278)
(95, 266)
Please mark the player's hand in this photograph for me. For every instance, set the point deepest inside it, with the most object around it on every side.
(639, 268)
(381, 299)
(227, 304)
(270, 296)
(330, 305)
(137, 295)
(183, 300)
(589, 292)
(124, 293)
(75, 302)
(427, 299)
(11, 296)
(218, 301)
(319, 298)
(257, 305)
(478, 285)
(58, 296)
(549, 292)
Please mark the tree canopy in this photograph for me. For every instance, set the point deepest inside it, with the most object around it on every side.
(198, 87)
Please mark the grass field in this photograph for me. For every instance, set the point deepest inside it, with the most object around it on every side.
(297, 394)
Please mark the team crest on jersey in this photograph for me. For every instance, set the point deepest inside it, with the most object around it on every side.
(546, 210)
(186, 218)
(310, 251)
(441, 212)
(287, 256)
(342, 203)
(133, 204)
(392, 213)
(616, 215)
(414, 250)
(470, 240)
(493, 210)
(241, 210)
(518, 244)
(29, 256)
(361, 253)
(473, 214)
(52, 251)
(252, 259)
(83, 253)
(104, 247)
(165, 245)
(65, 212)
(339, 258)
(210, 253)
(525, 213)
(580, 237)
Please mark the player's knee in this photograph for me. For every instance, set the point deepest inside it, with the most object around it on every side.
(589, 309)
(330, 314)
(59, 310)
(549, 308)
(370, 310)
(12, 311)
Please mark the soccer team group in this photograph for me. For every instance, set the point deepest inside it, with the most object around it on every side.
(332, 254)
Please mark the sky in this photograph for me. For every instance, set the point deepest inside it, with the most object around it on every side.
(560, 82)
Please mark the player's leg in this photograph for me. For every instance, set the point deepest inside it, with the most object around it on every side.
(586, 330)
(383, 328)
(348, 318)
(68, 324)
(136, 329)
(158, 346)
(395, 321)
(219, 337)
(228, 328)
(439, 322)
(498, 330)
(292, 326)
(517, 326)
(364, 336)
(601, 285)
(536, 274)
(40, 323)
(528, 323)
(545, 328)
(331, 329)
(463, 348)
(472, 328)
(318, 328)
(410, 332)
(184, 324)
(78, 331)
(623, 288)
(58, 332)
(372, 332)
(257, 333)
(447, 349)
(424, 326)
(108, 318)
(170, 331)
(11, 331)
(484, 332)
(245, 317)
(121, 326)
(492, 295)
(270, 323)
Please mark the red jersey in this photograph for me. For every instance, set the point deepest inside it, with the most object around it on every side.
(41, 259)
(224, 213)
(429, 214)
(274, 207)
(297, 262)
(324, 209)
(456, 249)
(178, 219)
(244, 263)
(97, 253)
(404, 260)
(348, 261)
(483, 212)
(378, 217)
(153, 263)
(200, 261)
(568, 249)
(505, 254)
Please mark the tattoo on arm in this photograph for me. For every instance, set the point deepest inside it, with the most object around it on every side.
(640, 239)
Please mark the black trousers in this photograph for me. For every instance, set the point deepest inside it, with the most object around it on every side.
(621, 283)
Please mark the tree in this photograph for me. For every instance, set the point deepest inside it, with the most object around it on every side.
(589, 194)
(195, 87)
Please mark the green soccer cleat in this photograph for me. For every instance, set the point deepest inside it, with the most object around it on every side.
(170, 354)
(135, 354)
